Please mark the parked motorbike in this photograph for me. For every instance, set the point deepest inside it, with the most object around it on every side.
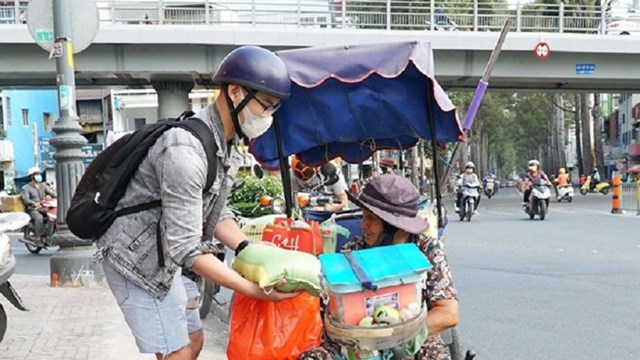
(539, 200)
(565, 192)
(316, 197)
(49, 210)
(601, 187)
(490, 188)
(470, 197)
(9, 221)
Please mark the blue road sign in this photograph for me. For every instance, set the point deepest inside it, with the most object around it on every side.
(585, 69)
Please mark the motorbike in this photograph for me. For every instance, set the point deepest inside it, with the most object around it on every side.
(601, 187)
(565, 192)
(490, 188)
(49, 210)
(315, 197)
(539, 200)
(9, 221)
(470, 198)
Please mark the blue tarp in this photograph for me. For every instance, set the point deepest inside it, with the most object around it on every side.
(350, 101)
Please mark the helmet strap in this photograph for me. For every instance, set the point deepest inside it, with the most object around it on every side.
(235, 111)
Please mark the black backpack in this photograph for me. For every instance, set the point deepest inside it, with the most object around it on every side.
(92, 209)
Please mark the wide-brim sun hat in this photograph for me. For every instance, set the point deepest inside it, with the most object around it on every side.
(395, 200)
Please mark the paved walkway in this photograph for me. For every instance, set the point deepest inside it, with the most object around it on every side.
(79, 324)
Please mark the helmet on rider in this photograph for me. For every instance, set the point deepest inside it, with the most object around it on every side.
(256, 70)
(34, 170)
(534, 165)
(302, 171)
(469, 167)
(562, 171)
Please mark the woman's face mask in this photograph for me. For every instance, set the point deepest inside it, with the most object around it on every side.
(253, 125)
(37, 178)
(469, 170)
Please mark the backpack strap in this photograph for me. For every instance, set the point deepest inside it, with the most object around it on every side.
(201, 131)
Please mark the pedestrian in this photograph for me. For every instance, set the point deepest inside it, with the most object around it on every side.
(157, 304)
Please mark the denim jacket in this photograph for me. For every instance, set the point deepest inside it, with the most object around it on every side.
(175, 172)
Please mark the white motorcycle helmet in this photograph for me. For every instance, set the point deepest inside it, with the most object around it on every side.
(34, 170)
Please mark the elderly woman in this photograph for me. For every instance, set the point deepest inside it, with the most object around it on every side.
(390, 216)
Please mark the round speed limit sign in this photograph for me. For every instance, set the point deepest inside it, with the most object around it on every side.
(542, 50)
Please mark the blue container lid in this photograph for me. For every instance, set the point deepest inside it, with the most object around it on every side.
(384, 266)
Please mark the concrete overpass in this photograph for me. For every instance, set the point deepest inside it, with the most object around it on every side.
(143, 55)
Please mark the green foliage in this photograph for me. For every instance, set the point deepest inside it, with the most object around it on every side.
(515, 125)
(245, 198)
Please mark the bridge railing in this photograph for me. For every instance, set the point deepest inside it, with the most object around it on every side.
(361, 14)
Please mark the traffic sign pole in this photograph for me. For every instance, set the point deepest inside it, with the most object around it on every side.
(74, 255)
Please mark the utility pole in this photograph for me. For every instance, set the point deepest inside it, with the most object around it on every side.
(73, 260)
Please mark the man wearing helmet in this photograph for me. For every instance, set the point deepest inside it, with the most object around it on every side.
(468, 177)
(533, 175)
(33, 195)
(159, 305)
(307, 178)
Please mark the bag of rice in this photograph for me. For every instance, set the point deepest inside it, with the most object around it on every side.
(266, 265)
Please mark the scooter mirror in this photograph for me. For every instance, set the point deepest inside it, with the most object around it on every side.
(329, 173)
(257, 171)
(238, 184)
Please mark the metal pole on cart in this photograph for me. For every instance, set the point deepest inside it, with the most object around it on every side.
(284, 167)
(477, 96)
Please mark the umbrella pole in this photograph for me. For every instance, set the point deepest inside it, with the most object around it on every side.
(434, 153)
(479, 93)
(284, 169)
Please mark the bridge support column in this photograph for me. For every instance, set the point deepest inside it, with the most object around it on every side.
(173, 97)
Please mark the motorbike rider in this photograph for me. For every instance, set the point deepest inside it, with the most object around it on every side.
(33, 194)
(490, 176)
(468, 177)
(305, 178)
(533, 175)
(563, 178)
(595, 178)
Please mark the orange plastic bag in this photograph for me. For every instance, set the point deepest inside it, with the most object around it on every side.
(266, 330)
(285, 234)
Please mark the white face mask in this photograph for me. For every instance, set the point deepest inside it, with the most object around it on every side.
(253, 125)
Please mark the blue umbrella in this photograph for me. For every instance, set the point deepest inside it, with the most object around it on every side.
(349, 101)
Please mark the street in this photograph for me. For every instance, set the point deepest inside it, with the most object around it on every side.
(563, 288)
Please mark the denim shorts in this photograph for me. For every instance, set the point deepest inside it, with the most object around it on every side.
(193, 313)
(159, 326)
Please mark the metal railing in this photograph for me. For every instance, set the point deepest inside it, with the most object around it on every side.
(367, 14)
(630, 198)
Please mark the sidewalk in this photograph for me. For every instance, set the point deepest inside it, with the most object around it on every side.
(79, 324)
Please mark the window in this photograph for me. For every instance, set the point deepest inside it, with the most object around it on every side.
(9, 117)
(46, 121)
(139, 122)
(25, 117)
